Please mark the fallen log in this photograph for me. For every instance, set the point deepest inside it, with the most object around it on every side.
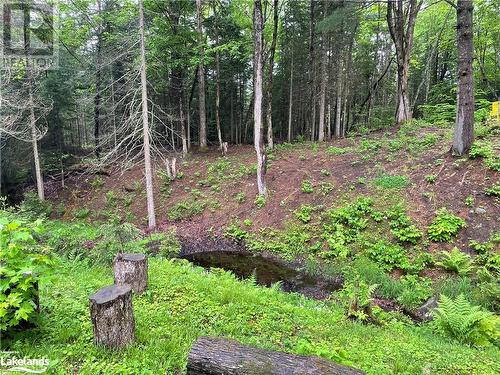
(217, 356)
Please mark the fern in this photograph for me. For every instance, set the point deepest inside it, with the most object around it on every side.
(455, 261)
(465, 322)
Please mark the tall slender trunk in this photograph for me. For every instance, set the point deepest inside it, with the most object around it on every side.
(464, 123)
(145, 125)
(217, 82)
(183, 129)
(201, 80)
(34, 138)
(311, 69)
(324, 77)
(269, 113)
(97, 97)
(338, 104)
(290, 103)
(257, 108)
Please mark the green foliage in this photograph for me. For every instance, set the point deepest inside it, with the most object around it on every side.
(481, 247)
(416, 290)
(23, 261)
(240, 197)
(338, 150)
(444, 226)
(325, 187)
(480, 149)
(441, 113)
(260, 201)
(469, 201)
(186, 209)
(163, 244)
(82, 213)
(493, 163)
(304, 213)
(455, 261)
(236, 233)
(305, 347)
(391, 181)
(402, 227)
(493, 190)
(388, 255)
(325, 172)
(356, 296)
(466, 323)
(430, 178)
(33, 208)
(306, 187)
(97, 182)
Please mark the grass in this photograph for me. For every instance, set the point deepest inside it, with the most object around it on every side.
(391, 181)
(183, 302)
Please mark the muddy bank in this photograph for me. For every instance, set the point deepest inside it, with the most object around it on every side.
(267, 269)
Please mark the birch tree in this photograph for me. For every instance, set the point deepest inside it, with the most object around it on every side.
(201, 81)
(257, 108)
(145, 125)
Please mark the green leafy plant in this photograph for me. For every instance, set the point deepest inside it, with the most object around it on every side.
(306, 187)
(240, 197)
(493, 190)
(469, 201)
(493, 163)
(465, 322)
(391, 181)
(186, 209)
(431, 178)
(304, 213)
(356, 296)
(388, 255)
(415, 290)
(455, 261)
(260, 201)
(325, 187)
(97, 182)
(33, 208)
(23, 261)
(82, 213)
(480, 149)
(337, 150)
(305, 347)
(402, 227)
(444, 226)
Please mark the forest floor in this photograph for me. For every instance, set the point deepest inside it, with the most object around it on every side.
(412, 165)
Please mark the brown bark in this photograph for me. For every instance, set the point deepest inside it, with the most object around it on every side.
(201, 81)
(464, 124)
(269, 113)
(131, 269)
(112, 316)
(214, 356)
(401, 17)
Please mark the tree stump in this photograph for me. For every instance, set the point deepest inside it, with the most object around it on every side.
(113, 316)
(215, 356)
(131, 269)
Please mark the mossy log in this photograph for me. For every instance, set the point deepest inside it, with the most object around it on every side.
(217, 356)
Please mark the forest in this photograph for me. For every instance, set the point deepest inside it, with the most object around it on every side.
(237, 187)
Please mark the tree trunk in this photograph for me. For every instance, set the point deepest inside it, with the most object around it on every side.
(145, 125)
(97, 97)
(324, 77)
(215, 356)
(112, 316)
(257, 108)
(217, 83)
(401, 17)
(272, 51)
(311, 69)
(464, 124)
(131, 269)
(201, 79)
(183, 128)
(34, 139)
(290, 103)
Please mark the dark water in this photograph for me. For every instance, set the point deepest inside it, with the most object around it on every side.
(266, 272)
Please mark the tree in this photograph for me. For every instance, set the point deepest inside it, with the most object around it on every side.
(272, 51)
(464, 123)
(257, 108)
(201, 81)
(324, 78)
(145, 125)
(401, 17)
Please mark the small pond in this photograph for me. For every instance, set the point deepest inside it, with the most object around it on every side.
(266, 271)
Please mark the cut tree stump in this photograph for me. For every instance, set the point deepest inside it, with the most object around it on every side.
(131, 269)
(112, 316)
(217, 356)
